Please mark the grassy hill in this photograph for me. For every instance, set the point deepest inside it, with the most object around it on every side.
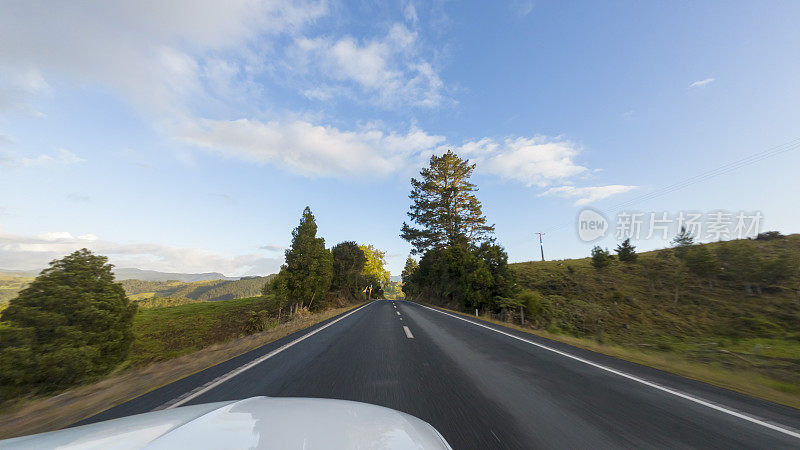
(10, 284)
(745, 317)
(170, 293)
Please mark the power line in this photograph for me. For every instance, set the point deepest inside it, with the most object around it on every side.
(726, 168)
(704, 176)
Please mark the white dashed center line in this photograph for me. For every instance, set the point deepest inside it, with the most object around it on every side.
(408, 332)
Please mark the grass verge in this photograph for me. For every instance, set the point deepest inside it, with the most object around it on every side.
(751, 384)
(37, 415)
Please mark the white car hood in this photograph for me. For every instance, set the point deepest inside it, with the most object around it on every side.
(254, 423)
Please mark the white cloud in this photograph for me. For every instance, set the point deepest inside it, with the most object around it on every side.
(174, 57)
(159, 54)
(537, 160)
(35, 252)
(701, 83)
(273, 248)
(184, 58)
(78, 198)
(388, 69)
(16, 89)
(410, 13)
(314, 150)
(55, 236)
(61, 157)
(522, 7)
(321, 93)
(309, 149)
(587, 194)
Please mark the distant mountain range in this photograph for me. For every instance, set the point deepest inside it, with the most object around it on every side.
(130, 273)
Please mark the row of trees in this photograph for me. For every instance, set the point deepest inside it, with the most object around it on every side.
(313, 276)
(461, 265)
(74, 323)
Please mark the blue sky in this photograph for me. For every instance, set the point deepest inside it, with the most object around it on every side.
(189, 136)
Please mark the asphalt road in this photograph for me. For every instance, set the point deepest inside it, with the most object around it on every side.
(486, 386)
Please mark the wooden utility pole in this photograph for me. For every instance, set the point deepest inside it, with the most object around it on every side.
(541, 245)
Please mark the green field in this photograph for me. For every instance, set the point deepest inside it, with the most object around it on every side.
(167, 332)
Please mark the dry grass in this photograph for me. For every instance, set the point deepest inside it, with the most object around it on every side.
(744, 382)
(37, 415)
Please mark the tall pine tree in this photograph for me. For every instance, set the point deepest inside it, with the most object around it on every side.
(306, 276)
(444, 206)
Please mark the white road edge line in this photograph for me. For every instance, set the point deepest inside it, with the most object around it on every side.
(223, 378)
(781, 428)
(408, 332)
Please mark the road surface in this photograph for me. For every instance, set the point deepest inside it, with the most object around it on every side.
(485, 386)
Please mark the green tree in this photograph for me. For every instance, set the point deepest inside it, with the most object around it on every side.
(495, 258)
(450, 276)
(306, 276)
(779, 269)
(742, 263)
(464, 276)
(444, 206)
(701, 262)
(393, 291)
(410, 289)
(374, 273)
(348, 263)
(769, 235)
(681, 242)
(73, 323)
(626, 252)
(600, 257)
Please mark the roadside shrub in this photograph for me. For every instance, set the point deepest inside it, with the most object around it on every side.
(256, 322)
(538, 307)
